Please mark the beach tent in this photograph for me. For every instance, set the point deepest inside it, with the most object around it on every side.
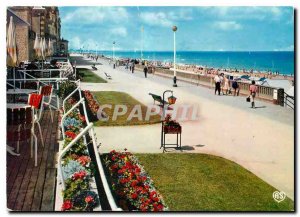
(245, 77)
(11, 45)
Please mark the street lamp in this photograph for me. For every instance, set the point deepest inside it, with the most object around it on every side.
(96, 49)
(142, 38)
(113, 59)
(114, 50)
(174, 28)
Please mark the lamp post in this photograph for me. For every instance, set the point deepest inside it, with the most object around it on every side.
(114, 50)
(96, 49)
(163, 116)
(142, 38)
(113, 59)
(174, 28)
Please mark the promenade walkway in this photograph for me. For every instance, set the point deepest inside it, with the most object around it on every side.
(261, 140)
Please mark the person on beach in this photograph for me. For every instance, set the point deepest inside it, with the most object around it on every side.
(217, 80)
(236, 88)
(132, 67)
(145, 71)
(253, 91)
(225, 85)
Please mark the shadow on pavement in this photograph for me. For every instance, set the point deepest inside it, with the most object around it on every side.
(260, 107)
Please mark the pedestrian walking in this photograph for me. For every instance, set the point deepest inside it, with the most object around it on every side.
(236, 88)
(225, 85)
(217, 80)
(253, 91)
(145, 71)
(132, 68)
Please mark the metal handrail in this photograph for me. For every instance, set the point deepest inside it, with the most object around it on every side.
(64, 101)
(107, 190)
(89, 128)
(287, 101)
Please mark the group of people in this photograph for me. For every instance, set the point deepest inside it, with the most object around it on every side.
(222, 83)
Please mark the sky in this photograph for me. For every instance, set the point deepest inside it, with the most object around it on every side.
(199, 28)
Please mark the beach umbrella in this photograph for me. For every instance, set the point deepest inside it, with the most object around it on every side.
(49, 47)
(36, 46)
(11, 45)
(45, 47)
(42, 51)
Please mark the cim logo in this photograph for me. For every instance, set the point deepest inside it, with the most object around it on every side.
(279, 196)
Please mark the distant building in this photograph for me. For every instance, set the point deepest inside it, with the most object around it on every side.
(44, 22)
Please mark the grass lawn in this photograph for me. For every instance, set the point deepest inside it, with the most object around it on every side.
(89, 76)
(200, 182)
(119, 98)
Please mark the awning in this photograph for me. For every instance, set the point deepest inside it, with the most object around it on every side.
(17, 20)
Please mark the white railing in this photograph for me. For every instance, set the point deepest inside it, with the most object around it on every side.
(87, 130)
(43, 71)
(71, 94)
(63, 152)
(66, 114)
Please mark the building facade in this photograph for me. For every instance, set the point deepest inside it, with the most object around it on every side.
(44, 22)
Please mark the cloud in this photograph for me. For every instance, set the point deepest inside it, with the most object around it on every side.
(90, 15)
(166, 18)
(248, 13)
(156, 19)
(75, 42)
(119, 31)
(227, 25)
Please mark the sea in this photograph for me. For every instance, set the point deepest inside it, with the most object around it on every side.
(275, 61)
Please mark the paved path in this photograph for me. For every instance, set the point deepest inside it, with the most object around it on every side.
(261, 140)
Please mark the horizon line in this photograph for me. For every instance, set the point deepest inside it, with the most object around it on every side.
(191, 50)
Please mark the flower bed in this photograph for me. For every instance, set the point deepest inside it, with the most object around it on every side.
(92, 103)
(77, 167)
(133, 187)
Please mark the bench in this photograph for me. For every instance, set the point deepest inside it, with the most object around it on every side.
(94, 67)
(107, 76)
(158, 99)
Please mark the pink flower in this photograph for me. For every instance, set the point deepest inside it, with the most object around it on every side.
(89, 199)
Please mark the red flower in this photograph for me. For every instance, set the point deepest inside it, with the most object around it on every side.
(84, 160)
(67, 205)
(134, 183)
(70, 134)
(89, 199)
(134, 196)
(123, 181)
(79, 175)
(158, 207)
